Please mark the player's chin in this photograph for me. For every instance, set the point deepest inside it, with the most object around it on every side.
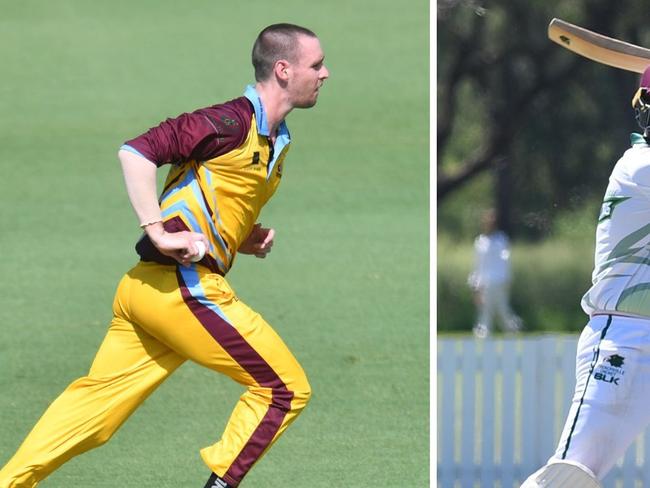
(307, 103)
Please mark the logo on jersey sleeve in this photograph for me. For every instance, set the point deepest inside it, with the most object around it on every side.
(228, 122)
(610, 370)
(609, 204)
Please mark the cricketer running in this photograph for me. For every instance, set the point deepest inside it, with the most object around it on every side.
(226, 162)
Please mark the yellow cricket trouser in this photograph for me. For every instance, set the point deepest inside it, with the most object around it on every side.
(162, 316)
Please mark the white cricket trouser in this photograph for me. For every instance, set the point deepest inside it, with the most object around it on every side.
(611, 403)
(494, 302)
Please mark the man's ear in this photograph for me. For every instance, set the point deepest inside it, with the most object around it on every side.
(282, 69)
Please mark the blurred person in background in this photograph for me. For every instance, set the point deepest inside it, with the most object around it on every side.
(491, 277)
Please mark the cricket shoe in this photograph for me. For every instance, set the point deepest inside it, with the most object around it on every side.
(480, 331)
(215, 482)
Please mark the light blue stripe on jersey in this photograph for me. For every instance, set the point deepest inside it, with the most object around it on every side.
(190, 180)
(193, 283)
(180, 207)
(199, 198)
(208, 177)
(187, 180)
(282, 140)
(126, 147)
(260, 115)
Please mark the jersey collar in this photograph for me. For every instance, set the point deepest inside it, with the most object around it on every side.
(260, 114)
(283, 138)
(636, 138)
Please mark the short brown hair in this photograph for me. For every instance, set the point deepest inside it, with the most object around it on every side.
(275, 42)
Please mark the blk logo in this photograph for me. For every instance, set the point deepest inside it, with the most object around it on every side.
(607, 378)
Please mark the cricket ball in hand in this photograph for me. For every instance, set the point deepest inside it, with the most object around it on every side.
(201, 248)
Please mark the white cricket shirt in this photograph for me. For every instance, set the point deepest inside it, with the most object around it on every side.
(621, 276)
(492, 254)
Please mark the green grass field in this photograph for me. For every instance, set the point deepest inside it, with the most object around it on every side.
(346, 286)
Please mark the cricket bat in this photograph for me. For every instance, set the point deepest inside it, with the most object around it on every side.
(598, 47)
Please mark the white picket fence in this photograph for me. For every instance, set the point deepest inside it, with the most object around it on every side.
(501, 407)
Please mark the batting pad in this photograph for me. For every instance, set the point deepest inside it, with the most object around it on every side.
(562, 475)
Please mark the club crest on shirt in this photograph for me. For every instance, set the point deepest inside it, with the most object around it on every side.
(615, 360)
(255, 163)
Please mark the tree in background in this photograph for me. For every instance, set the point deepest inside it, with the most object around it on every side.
(544, 122)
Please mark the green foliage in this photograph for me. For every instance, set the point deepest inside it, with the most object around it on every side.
(460, 216)
(469, 125)
(549, 281)
(557, 121)
(533, 130)
(455, 309)
(549, 278)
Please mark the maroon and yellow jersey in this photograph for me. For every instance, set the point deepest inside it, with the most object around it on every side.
(224, 169)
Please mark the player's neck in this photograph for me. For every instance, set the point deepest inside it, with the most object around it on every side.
(276, 104)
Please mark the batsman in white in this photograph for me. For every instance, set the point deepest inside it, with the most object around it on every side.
(610, 405)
